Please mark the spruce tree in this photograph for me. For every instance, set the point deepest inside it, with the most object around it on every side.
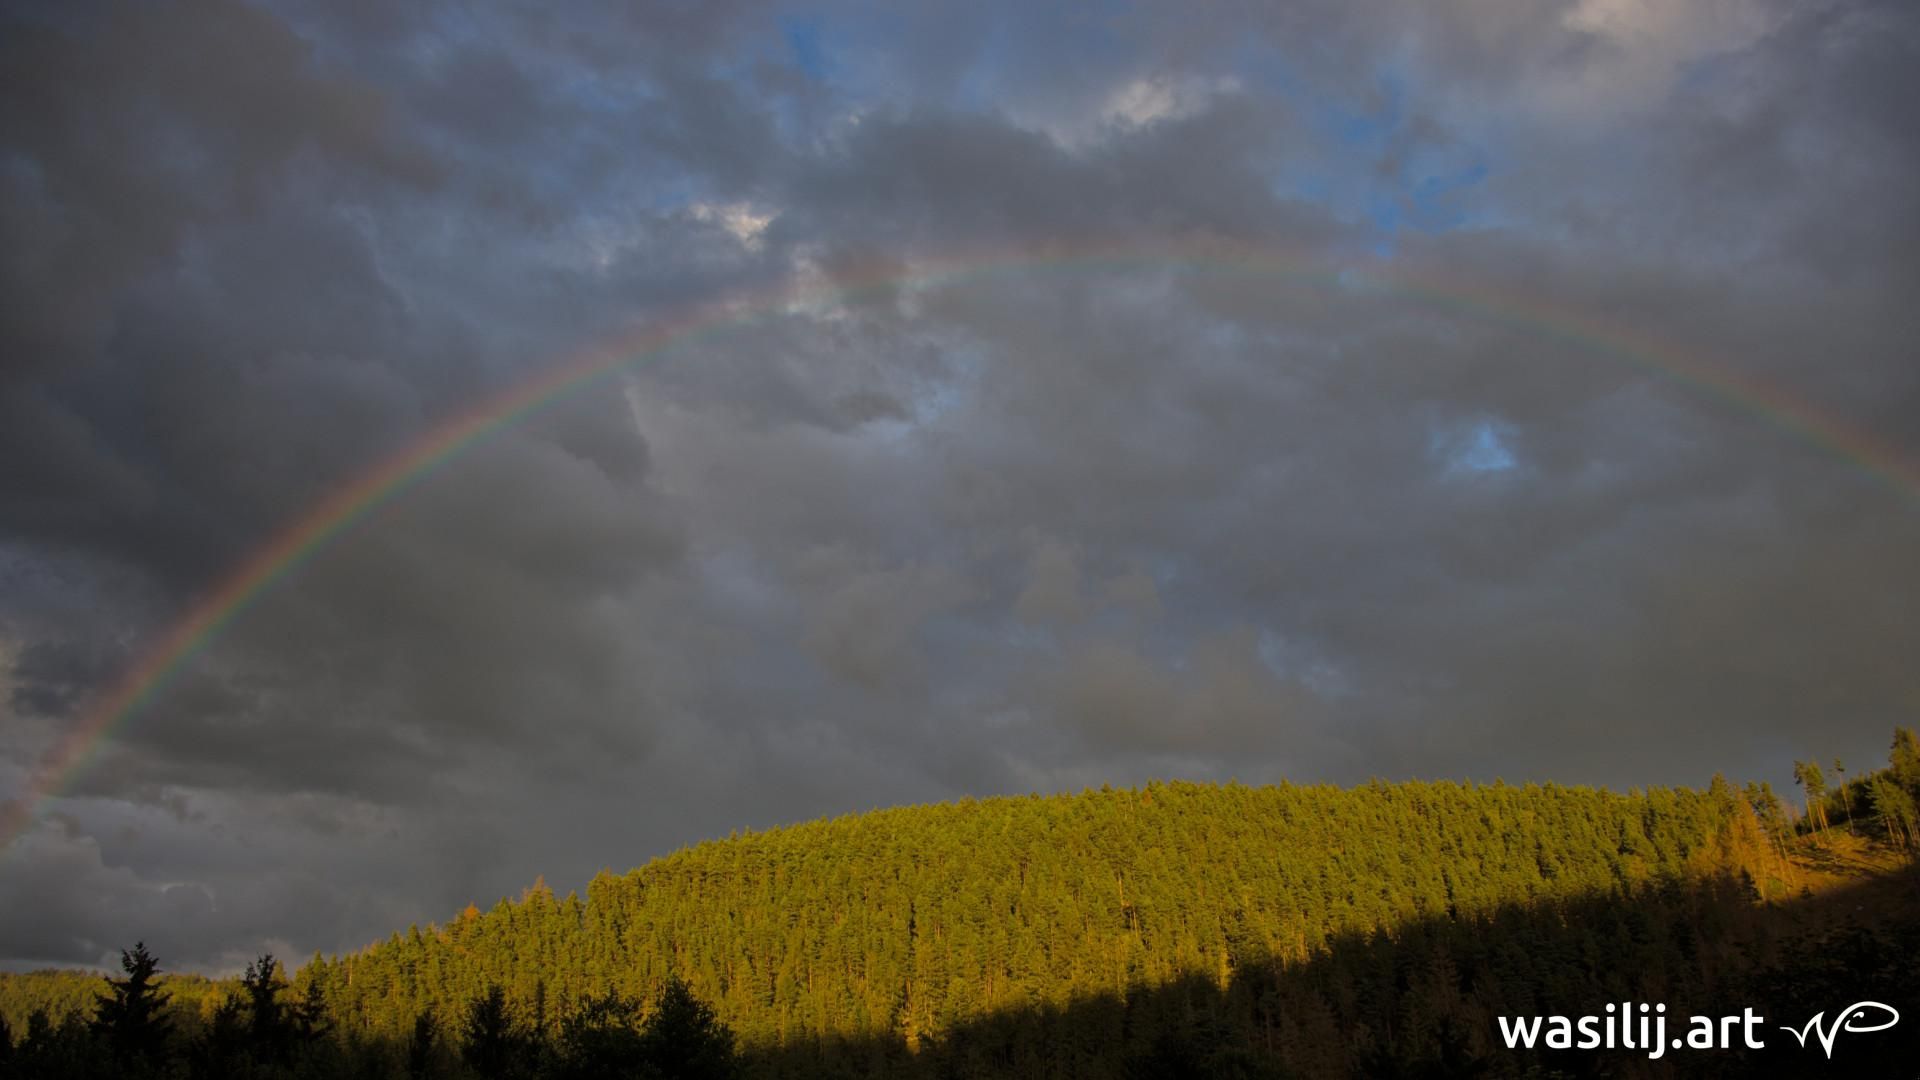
(601, 1039)
(1897, 813)
(270, 1030)
(307, 1018)
(128, 1018)
(1814, 782)
(1846, 799)
(1904, 761)
(684, 1039)
(493, 1047)
(420, 1047)
(222, 1044)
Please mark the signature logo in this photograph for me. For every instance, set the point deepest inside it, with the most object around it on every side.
(1855, 1017)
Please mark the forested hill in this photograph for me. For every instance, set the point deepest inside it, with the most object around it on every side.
(1176, 929)
(915, 920)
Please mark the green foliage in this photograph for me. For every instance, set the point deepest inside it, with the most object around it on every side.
(61, 994)
(62, 1050)
(270, 1031)
(910, 922)
(129, 1019)
(1903, 763)
(1894, 805)
(1814, 783)
(602, 1040)
(493, 1045)
(222, 1046)
(1882, 802)
(1174, 930)
(422, 1047)
(683, 1039)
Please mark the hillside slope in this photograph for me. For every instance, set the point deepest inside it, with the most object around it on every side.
(909, 924)
(1177, 929)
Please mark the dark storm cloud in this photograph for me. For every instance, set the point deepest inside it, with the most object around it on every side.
(1031, 528)
(127, 123)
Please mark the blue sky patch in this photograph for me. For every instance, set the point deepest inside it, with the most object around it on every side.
(1479, 447)
(806, 45)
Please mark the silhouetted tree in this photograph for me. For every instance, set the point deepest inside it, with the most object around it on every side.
(494, 1047)
(1172, 1056)
(65, 1050)
(683, 1039)
(270, 1031)
(128, 1019)
(307, 1018)
(602, 1040)
(420, 1046)
(222, 1044)
(1370, 931)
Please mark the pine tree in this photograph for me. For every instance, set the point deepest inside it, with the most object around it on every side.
(307, 1018)
(128, 1018)
(1904, 761)
(684, 1039)
(270, 1029)
(1766, 810)
(1811, 780)
(222, 1043)
(836, 935)
(1897, 813)
(602, 1039)
(1846, 800)
(494, 1047)
(420, 1046)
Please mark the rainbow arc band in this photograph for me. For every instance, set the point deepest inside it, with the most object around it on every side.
(313, 530)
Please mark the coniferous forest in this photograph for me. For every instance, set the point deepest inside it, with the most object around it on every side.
(1173, 930)
(959, 539)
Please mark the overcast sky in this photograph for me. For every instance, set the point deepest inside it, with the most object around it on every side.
(1037, 527)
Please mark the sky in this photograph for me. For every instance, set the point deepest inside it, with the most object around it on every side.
(1081, 394)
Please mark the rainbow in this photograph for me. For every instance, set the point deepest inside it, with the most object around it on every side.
(316, 528)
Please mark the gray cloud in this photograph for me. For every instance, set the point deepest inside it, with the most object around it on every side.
(1037, 525)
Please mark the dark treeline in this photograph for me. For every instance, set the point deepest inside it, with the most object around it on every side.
(1177, 929)
(268, 1030)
